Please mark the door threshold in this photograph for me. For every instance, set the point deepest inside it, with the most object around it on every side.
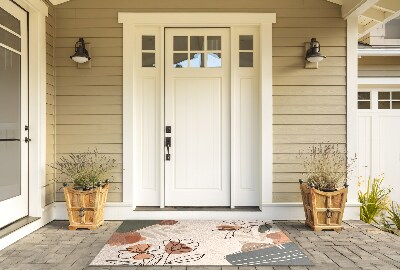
(9, 229)
(201, 208)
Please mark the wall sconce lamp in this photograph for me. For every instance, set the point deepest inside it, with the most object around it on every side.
(313, 55)
(81, 54)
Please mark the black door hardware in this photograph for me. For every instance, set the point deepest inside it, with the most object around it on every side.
(168, 145)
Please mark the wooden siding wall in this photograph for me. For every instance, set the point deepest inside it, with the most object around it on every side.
(309, 104)
(379, 66)
(50, 106)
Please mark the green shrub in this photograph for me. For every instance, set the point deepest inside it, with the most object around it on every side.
(393, 214)
(374, 200)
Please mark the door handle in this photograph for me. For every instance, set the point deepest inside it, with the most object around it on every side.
(27, 139)
(10, 140)
(168, 145)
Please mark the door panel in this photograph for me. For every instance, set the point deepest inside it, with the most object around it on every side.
(389, 153)
(197, 107)
(198, 133)
(13, 113)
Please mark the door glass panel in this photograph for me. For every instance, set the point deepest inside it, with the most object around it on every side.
(148, 43)
(10, 123)
(10, 40)
(364, 105)
(196, 43)
(180, 43)
(148, 59)
(384, 95)
(364, 95)
(383, 105)
(246, 42)
(214, 60)
(214, 43)
(9, 21)
(396, 105)
(396, 95)
(180, 60)
(245, 59)
(197, 60)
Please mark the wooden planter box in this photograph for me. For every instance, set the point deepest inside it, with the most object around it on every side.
(323, 210)
(86, 208)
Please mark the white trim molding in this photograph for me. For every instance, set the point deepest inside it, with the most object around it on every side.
(37, 12)
(270, 211)
(352, 89)
(378, 80)
(132, 126)
(381, 51)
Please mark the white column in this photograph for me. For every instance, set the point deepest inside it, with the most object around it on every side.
(352, 88)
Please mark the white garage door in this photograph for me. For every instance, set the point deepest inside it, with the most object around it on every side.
(379, 136)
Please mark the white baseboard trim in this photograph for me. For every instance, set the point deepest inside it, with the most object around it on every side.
(47, 216)
(270, 211)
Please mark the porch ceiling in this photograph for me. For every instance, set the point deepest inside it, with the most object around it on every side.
(371, 13)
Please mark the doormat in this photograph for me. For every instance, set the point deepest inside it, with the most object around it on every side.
(199, 242)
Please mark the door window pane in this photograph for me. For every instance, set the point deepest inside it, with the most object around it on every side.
(383, 105)
(148, 43)
(384, 95)
(196, 43)
(10, 123)
(245, 59)
(180, 43)
(214, 60)
(180, 60)
(9, 21)
(148, 59)
(364, 95)
(364, 105)
(214, 43)
(197, 60)
(396, 95)
(396, 105)
(246, 42)
(10, 40)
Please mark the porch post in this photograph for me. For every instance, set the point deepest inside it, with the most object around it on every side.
(352, 88)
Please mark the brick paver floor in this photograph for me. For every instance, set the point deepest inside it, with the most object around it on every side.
(358, 246)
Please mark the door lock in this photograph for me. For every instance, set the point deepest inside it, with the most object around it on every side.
(168, 145)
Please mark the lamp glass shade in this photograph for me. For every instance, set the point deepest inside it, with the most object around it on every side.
(79, 59)
(315, 58)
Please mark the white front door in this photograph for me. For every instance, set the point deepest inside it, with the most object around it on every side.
(379, 133)
(197, 110)
(13, 113)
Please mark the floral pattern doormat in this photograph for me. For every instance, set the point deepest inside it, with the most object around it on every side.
(199, 242)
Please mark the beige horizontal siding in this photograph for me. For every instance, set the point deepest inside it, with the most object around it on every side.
(379, 66)
(309, 104)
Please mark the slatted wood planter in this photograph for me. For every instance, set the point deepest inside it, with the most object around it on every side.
(86, 208)
(323, 210)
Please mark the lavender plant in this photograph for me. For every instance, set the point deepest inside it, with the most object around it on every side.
(85, 169)
(326, 167)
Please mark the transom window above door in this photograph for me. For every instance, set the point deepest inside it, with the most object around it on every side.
(197, 52)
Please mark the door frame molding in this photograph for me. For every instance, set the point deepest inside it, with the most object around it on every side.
(132, 169)
(37, 13)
